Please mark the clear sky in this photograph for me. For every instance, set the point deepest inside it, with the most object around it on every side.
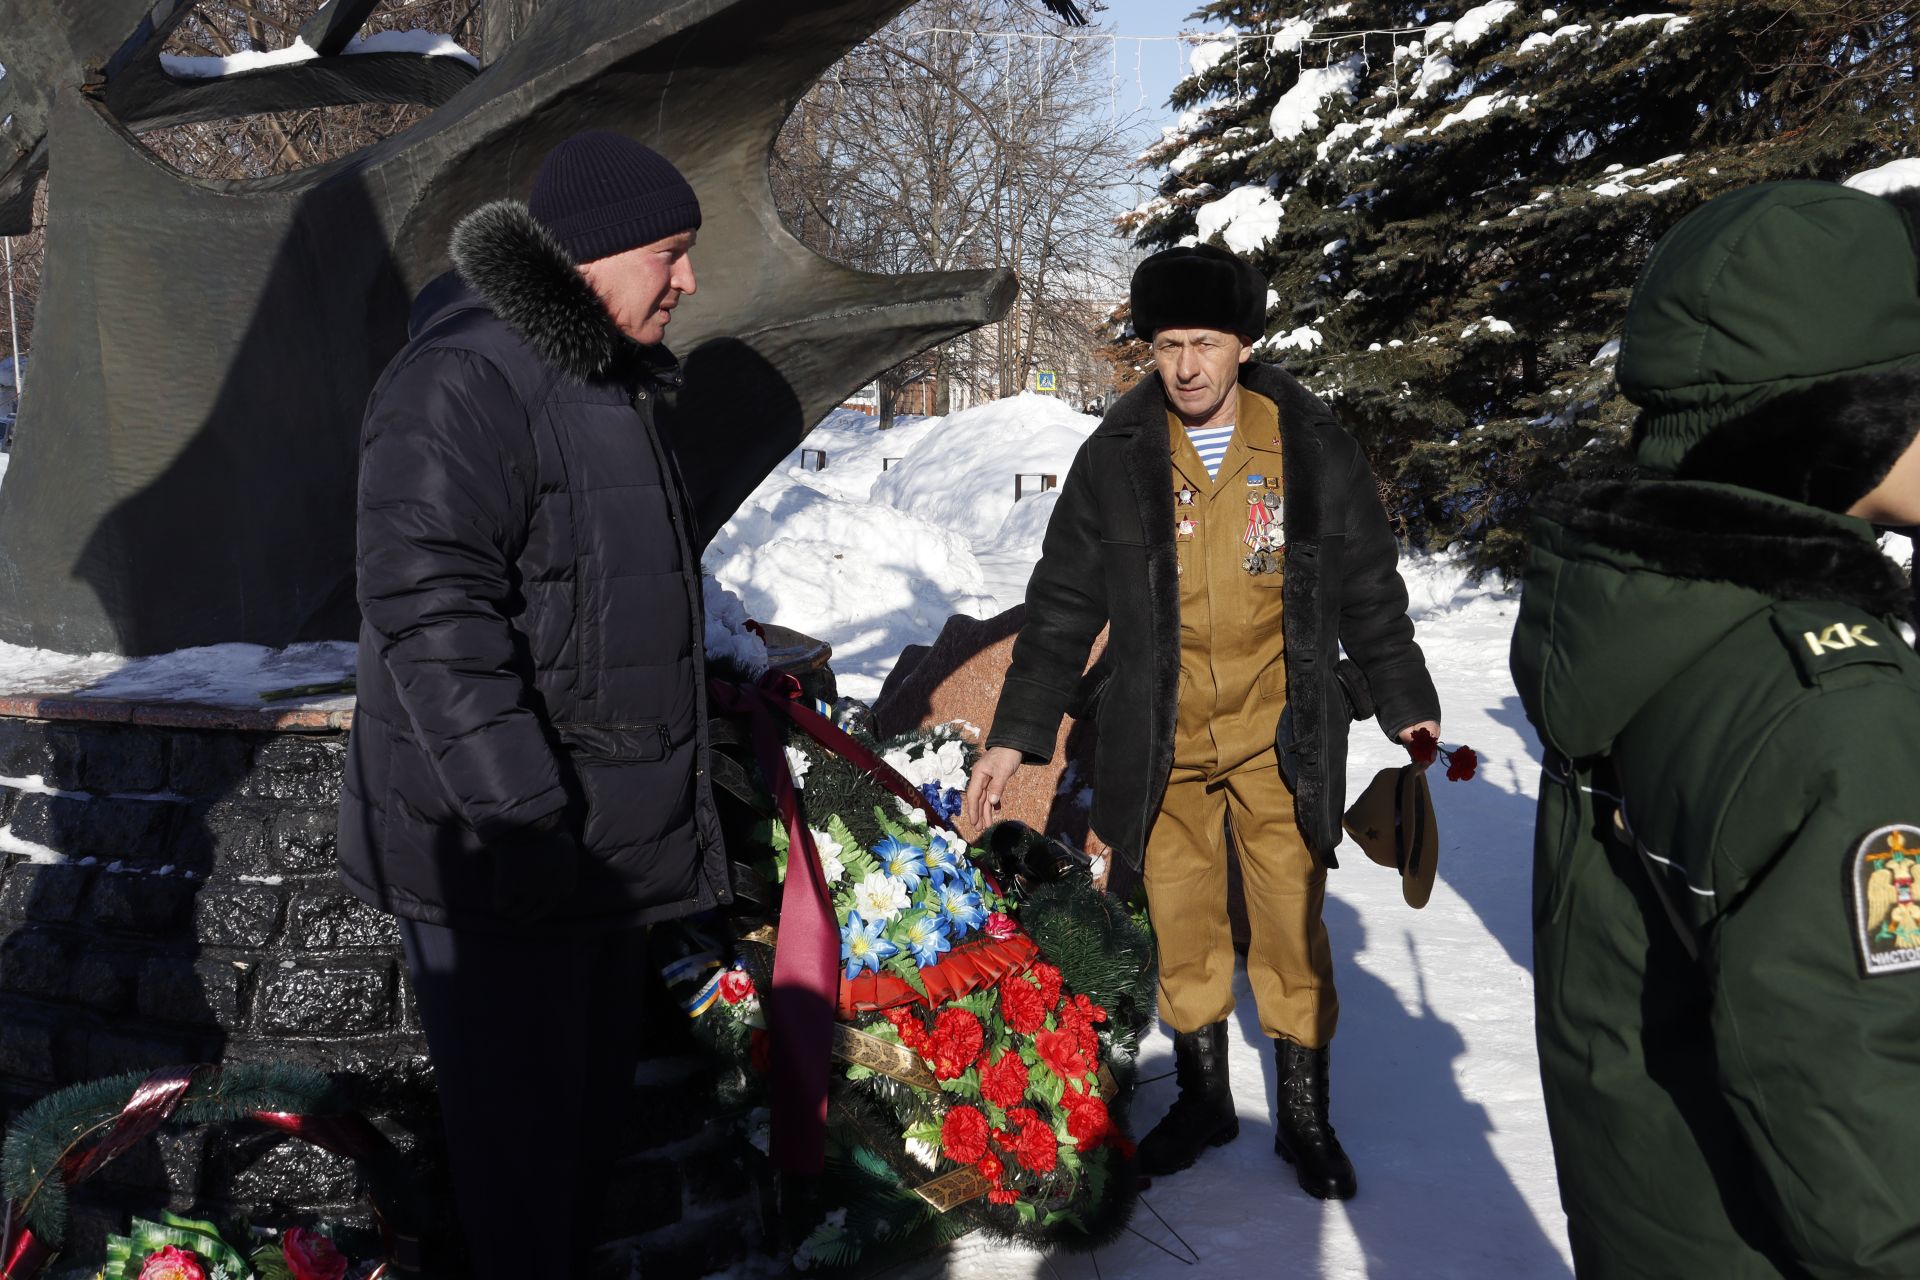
(1151, 69)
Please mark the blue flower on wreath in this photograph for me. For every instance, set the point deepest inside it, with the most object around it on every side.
(926, 937)
(961, 906)
(944, 801)
(863, 945)
(946, 857)
(902, 861)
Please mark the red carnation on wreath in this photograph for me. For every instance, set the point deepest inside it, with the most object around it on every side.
(1049, 979)
(173, 1263)
(957, 1041)
(1000, 926)
(990, 1168)
(1035, 1147)
(1062, 1052)
(1088, 1120)
(311, 1256)
(1022, 1006)
(912, 1032)
(963, 1135)
(1003, 1082)
(1461, 760)
(735, 986)
(1076, 1018)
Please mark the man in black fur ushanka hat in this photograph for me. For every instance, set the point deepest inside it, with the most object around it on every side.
(1230, 534)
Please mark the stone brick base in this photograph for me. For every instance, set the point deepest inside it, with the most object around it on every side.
(167, 895)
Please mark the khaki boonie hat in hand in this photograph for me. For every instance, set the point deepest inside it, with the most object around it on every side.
(1394, 825)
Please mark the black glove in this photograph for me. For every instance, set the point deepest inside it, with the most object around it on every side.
(535, 867)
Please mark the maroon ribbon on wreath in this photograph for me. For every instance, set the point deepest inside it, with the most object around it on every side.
(806, 956)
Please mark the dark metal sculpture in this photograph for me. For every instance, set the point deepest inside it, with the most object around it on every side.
(185, 462)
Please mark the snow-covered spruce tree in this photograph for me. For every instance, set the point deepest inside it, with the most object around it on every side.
(1453, 215)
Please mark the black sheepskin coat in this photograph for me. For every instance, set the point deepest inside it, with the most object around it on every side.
(1109, 557)
(529, 584)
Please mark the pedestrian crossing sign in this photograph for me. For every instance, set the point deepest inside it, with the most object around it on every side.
(1046, 380)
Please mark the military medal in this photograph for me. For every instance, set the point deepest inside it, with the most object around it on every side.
(1264, 531)
(1184, 497)
(1184, 529)
(1255, 481)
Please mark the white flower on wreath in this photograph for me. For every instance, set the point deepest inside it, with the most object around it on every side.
(830, 865)
(914, 815)
(798, 764)
(943, 764)
(880, 896)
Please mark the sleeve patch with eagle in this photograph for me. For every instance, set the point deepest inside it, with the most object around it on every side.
(1884, 877)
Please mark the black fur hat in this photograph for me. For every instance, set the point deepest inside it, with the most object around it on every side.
(1198, 287)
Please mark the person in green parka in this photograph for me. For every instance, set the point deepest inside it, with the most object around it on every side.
(1716, 658)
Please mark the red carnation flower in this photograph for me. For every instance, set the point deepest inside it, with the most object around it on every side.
(1001, 1195)
(912, 1033)
(1087, 1119)
(963, 1135)
(1093, 1011)
(1062, 1052)
(1000, 926)
(1021, 1005)
(1004, 1081)
(735, 986)
(1036, 1148)
(957, 1040)
(990, 1168)
(1049, 979)
(1461, 762)
(1424, 746)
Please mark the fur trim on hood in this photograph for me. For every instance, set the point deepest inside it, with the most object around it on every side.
(1826, 445)
(521, 271)
(1714, 533)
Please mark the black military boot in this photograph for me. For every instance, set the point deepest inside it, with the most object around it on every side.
(1202, 1116)
(1304, 1137)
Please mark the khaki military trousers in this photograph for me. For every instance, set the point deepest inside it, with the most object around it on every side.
(1289, 961)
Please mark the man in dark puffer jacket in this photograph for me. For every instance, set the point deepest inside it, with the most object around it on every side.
(525, 785)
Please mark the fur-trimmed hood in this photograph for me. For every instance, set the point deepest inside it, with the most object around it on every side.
(520, 271)
(1630, 584)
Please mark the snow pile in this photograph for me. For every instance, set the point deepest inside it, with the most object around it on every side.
(961, 477)
(727, 636)
(429, 44)
(1895, 175)
(1435, 71)
(1305, 338)
(1298, 110)
(1026, 525)
(867, 577)
(1486, 324)
(1478, 109)
(1247, 218)
(857, 450)
(1473, 25)
(224, 675)
(1205, 56)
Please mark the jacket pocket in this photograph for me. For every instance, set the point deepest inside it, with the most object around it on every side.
(616, 743)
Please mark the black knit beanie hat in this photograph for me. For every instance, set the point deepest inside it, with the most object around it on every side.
(1198, 286)
(1774, 343)
(601, 193)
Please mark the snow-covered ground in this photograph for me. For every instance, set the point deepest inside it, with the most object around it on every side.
(1435, 1088)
